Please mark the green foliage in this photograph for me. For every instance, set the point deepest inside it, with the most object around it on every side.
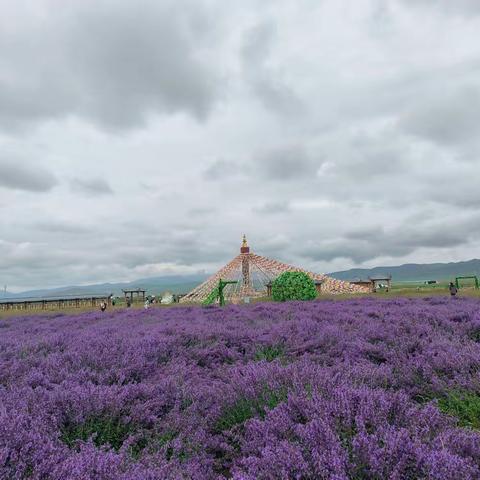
(245, 408)
(137, 447)
(463, 405)
(112, 431)
(270, 352)
(164, 441)
(236, 414)
(210, 300)
(293, 286)
(105, 430)
(155, 442)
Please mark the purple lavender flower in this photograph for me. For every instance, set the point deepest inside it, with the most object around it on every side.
(328, 389)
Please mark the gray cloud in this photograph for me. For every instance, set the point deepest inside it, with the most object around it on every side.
(114, 63)
(210, 119)
(55, 227)
(373, 242)
(464, 196)
(32, 256)
(92, 186)
(375, 156)
(222, 169)
(202, 211)
(142, 252)
(272, 208)
(30, 178)
(368, 233)
(285, 163)
(267, 82)
(457, 188)
(451, 120)
(463, 7)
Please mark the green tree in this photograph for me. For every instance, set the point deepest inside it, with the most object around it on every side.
(293, 286)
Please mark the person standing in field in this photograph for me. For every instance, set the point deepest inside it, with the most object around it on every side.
(453, 289)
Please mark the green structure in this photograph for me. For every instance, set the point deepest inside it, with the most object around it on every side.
(217, 293)
(468, 277)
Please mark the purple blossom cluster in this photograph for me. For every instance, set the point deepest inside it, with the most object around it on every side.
(304, 390)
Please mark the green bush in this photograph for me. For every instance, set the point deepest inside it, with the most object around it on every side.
(270, 353)
(111, 430)
(246, 408)
(293, 286)
(463, 405)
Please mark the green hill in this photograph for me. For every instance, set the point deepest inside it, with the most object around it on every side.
(414, 272)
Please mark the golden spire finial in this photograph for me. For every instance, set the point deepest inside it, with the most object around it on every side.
(244, 248)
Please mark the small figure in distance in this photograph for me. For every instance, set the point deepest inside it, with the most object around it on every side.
(453, 289)
(103, 306)
(147, 304)
(113, 301)
(129, 302)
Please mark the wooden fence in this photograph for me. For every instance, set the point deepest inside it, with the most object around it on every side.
(52, 303)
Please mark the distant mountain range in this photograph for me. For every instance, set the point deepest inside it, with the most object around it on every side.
(153, 285)
(411, 272)
(184, 283)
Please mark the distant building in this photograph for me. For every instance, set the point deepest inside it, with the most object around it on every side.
(372, 283)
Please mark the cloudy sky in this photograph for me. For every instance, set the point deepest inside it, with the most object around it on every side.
(142, 138)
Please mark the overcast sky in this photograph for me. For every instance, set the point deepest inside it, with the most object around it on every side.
(142, 138)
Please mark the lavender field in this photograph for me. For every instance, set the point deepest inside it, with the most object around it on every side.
(355, 389)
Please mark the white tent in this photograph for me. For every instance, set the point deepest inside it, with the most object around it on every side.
(167, 298)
